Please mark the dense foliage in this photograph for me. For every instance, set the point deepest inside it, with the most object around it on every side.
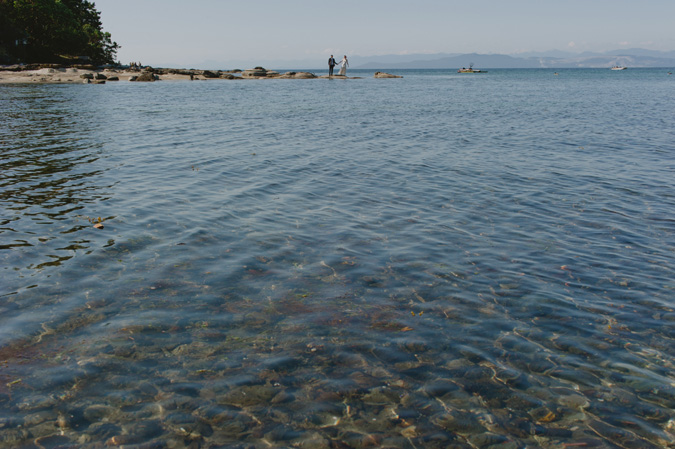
(53, 31)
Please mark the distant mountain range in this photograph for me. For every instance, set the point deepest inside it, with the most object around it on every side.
(635, 57)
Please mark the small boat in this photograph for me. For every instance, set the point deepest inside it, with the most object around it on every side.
(470, 70)
(618, 67)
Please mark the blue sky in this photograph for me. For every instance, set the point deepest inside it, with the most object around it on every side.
(243, 33)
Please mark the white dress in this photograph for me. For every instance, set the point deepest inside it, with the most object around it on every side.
(343, 69)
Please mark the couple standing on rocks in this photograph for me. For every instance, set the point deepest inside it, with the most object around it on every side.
(332, 63)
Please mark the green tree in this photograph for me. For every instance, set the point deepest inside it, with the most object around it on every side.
(54, 30)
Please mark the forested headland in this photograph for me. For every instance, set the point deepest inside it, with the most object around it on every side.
(53, 31)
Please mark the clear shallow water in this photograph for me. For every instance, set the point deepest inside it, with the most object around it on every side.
(441, 260)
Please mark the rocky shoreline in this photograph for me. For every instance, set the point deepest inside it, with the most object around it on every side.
(54, 73)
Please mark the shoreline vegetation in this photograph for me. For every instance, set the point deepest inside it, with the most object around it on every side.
(89, 74)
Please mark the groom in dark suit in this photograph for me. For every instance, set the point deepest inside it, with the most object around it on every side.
(331, 64)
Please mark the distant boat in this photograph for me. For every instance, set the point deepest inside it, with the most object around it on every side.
(470, 70)
(618, 67)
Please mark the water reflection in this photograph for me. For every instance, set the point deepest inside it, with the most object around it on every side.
(50, 174)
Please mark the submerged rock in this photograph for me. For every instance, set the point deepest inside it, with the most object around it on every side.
(386, 75)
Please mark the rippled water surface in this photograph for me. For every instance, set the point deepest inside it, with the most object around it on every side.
(438, 261)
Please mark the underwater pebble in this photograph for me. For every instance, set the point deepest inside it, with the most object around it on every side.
(250, 395)
(313, 440)
(37, 403)
(51, 441)
(37, 418)
(575, 401)
(459, 422)
(14, 436)
(95, 413)
(101, 431)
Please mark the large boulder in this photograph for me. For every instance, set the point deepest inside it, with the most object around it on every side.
(145, 76)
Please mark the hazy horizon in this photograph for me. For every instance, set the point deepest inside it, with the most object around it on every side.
(242, 34)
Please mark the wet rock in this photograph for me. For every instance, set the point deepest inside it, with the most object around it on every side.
(87, 76)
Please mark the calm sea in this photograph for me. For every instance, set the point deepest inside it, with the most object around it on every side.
(439, 261)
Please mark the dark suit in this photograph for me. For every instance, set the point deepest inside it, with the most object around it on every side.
(331, 64)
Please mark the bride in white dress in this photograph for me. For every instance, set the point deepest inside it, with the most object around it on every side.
(345, 64)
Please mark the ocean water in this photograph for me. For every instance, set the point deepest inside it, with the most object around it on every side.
(438, 261)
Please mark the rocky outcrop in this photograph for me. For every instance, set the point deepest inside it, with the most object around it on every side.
(209, 74)
(257, 72)
(386, 75)
(298, 75)
(145, 76)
